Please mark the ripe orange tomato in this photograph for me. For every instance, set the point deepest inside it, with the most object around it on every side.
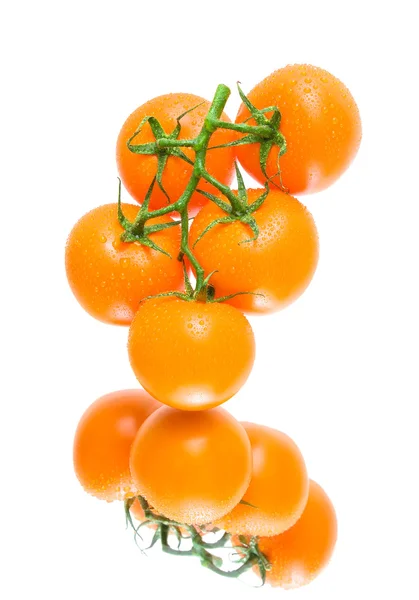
(138, 170)
(278, 488)
(279, 264)
(298, 555)
(320, 122)
(108, 277)
(192, 467)
(190, 355)
(103, 442)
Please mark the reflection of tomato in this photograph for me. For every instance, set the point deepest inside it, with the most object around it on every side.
(298, 555)
(109, 277)
(278, 489)
(320, 122)
(138, 170)
(279, 264)
(192, 467)
(190, 355)
(103, 442)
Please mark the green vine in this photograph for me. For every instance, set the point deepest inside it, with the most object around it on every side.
(247, 551)
(265, 132)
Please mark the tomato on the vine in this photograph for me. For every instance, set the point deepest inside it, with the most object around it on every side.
(320, 122)
(278, 490)
(192, 467)
(190, 355)
(276, 268)
(299, 555)
(103, 440)
(137, 170)
(109, 277)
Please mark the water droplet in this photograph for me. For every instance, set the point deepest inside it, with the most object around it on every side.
(323, 79)
(103, 238)
(324, 109)
(335, 120)
(124, 262)
(308, 80)
(112, 276)
(332, 105)
(307, 90)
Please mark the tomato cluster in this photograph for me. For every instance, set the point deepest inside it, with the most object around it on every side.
(184, 466)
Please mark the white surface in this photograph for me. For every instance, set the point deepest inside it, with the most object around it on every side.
(337, 370)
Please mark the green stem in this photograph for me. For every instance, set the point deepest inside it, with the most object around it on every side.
(171, 143)
(262, 130)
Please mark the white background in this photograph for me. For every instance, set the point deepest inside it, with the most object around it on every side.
(337, 370)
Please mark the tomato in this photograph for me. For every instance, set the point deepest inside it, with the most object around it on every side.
(320, 122)
(190, 355)
(298, 555)
(138, 170)
(279, 265)
(192, 467)
(278, 489)
(108, 277)
(103, 442)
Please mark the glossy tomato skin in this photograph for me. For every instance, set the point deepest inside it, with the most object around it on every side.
(192, 467)
(320, 122)
(190, 355)
(108, 277)
(301, 553)
(137, 171)
(103, 440)
(279, 265)
(278, 487)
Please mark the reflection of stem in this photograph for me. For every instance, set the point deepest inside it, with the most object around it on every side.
(200, 548)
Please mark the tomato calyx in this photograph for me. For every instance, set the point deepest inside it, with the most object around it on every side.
(165, 145)
(242, 211)
(182, 539)
(266, 133)
(138, 231)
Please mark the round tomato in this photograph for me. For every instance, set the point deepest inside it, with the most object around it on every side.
(138, 170)
(190, 355)
(320, 122)
(108, 277)
(103, 442)
(278, 488)
(278, 266)
(192, 467)
(298, 555)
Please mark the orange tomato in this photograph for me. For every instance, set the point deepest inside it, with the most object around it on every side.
(103, 440)
(190, 355)
(138, 170)
(279, 265)
(108, 277)
(192, 467)
(320, 122)
(278, 488)
(299, 555)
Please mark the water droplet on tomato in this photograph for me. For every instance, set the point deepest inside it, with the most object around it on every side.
(124, 262)
(335, 120)
(103, 238)
(307, 90)
(308, 80)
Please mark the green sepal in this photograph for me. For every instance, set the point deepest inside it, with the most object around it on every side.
(220, 221)
(220, 203)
